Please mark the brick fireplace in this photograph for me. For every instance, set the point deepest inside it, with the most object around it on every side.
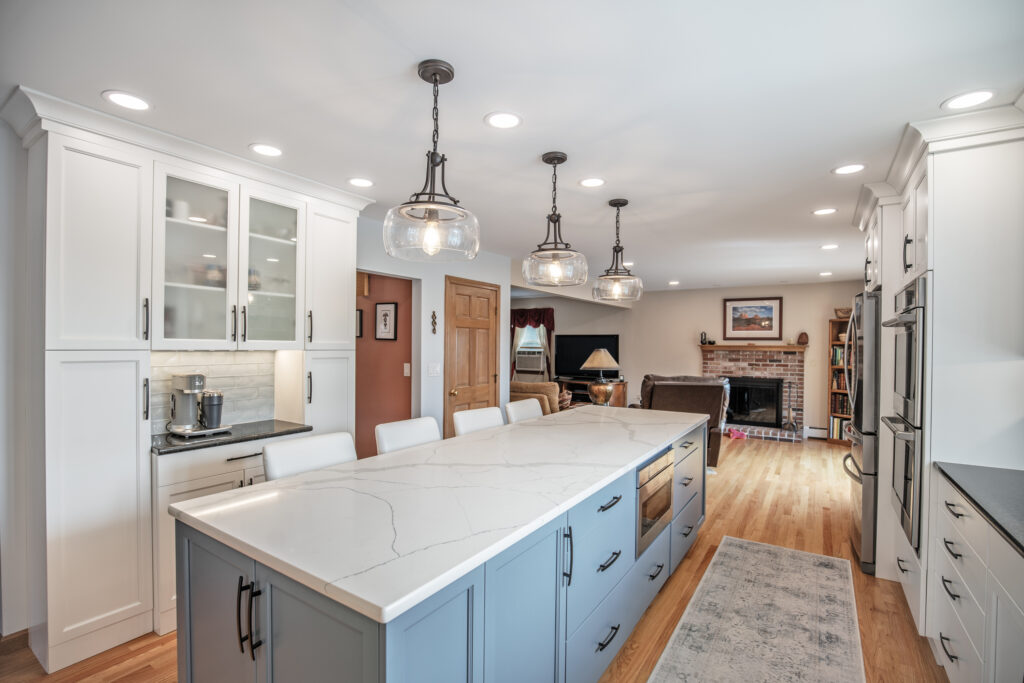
(784, 363)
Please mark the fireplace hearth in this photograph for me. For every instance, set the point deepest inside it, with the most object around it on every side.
(755, 401)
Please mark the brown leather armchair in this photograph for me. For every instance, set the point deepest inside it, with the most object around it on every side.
(689, 394)
(545, 392)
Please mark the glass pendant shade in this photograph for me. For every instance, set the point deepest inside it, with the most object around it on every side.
(430, 231)
(617, 283)
(554, 263)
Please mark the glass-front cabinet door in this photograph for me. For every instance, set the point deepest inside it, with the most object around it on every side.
(271, 255)
(195, 259)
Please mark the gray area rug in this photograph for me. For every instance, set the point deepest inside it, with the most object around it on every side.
(765, 613)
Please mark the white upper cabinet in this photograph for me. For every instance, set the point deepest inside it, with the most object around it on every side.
(915, 225)
(330, 278)
(98, 243)
(873, 252)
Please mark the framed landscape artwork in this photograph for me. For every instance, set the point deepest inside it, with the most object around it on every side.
(386, 327)
(753, 318)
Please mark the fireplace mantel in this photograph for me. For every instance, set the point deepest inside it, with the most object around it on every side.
(753, 347)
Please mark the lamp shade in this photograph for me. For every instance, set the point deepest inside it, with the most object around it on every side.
(600, 359)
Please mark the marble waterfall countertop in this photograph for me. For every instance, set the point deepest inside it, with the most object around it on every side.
(380, 535)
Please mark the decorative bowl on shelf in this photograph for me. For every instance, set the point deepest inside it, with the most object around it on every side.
(844, 312)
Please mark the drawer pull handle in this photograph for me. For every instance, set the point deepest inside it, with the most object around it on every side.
(946, 583)
(610, 561)
(567, 534)
(689, 530)
(608, 640)
(949, 549)
(655, 575)
(949, 506)
(610, 504)
(899, 564)
(687, 444)
(687, 481)
(942, 641)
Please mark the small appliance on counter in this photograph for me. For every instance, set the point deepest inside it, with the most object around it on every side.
(195, 411)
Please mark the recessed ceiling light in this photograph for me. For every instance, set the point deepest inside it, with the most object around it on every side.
(502, 119)
(825, 274)
(126, 100)
(824, 212)
(592, 182)
(272, 260)
(360, 182)
(265, 150)
(197, 219)
(209, 256)
(829, 247)
(673, 283)
(848, 169)
(628, 264)
(968, 100)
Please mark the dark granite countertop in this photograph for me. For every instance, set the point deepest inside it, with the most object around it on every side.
(997, 493)
(246, 431)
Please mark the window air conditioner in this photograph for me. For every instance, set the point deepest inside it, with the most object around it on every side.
(530, 360)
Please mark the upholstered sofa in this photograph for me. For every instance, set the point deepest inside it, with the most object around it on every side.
(545, 392)
(690, 394)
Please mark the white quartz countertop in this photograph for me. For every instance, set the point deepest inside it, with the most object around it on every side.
(380, 535)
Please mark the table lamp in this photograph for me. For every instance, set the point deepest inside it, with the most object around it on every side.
(601, 389)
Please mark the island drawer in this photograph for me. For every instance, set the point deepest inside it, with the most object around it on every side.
(956, 654)
(593, 646)
(688, 481)
(689, 444)
(950, 544)
(648, 574)
(600, 558)
(954, 507)
(610, 509)
(948, 586)
(684, 530)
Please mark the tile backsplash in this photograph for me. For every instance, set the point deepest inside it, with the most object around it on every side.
(245, 377)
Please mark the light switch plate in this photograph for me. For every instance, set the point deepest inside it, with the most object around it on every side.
(406, 369)
(434, 369)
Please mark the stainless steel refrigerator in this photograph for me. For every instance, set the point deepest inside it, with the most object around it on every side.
(861, 463)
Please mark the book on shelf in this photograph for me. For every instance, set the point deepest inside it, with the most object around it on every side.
(840, 403)
(838, 379)
(838, 355)
(837, 428)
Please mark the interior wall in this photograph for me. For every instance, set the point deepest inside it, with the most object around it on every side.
(383, 391)
(428, 296)
(660, 333)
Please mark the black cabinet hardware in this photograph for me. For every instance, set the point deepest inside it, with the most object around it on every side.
(867, 262)
(568, 574)
(245, 322)
(609, 638)
(250, 481)
(906, 243)
(243, 457)
(949, 506)
(655, 575)
(687, 444)
(145, 319)
(238, 613)
(610, 504)
(309, 390)
(949, 549)
(610, 561)
(310, 314)
(686, 481)
(946, 583)
(234, 323)
(253, 643)
(241, 483)
(899, 565)
(145, 399)
(942, 641)
(689, 530)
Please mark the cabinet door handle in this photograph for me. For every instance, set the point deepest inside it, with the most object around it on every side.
(610, 561)
(686, 481)
(899, 565)
(946, 583)
(949, 549)
(610, 504)
(309, 388)
(245, 322)
(949, 506)
(253, 643)
(238, 613)
(310, 315)
(145, 319)
(653, 576)
(250, 481)
(906, 243)
(689, 530)
(942, 641)
(568, 574)
(145, 399)
(867, 280)
(609, 638)
(234, 323)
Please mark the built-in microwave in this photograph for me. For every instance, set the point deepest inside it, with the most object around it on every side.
(653, 499)
(909, 325)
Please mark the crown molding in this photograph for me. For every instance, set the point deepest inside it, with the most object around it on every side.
(872, 195)
(31, 113)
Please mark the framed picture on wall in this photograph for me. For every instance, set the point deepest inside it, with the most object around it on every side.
(386, 324)
(752, 318)
(359, 323)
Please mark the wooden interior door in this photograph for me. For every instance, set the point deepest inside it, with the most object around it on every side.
(470, 347)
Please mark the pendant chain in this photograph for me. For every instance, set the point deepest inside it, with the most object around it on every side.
(436, 89)
(554, 189)
(617, 210)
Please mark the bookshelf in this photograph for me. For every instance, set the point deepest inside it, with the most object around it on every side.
(838, 401)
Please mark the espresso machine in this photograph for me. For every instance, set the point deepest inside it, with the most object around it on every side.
(194, 410)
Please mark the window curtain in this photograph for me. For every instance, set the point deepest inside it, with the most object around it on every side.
(517, 338)
(542, 318)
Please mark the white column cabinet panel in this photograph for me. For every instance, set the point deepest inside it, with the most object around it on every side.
(330, 278)
(98, 245)
(330, 397)
(98, 533)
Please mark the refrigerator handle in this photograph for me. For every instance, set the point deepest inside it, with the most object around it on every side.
(851, 331)
(856, 476)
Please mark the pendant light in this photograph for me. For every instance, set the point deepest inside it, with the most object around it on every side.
(617, 283)
(554, 263)
(431, 226)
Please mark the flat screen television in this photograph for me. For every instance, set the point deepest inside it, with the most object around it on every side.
(572, 350)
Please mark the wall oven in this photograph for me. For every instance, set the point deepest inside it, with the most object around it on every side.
(908, 385)
(653, 499)
(907, 472)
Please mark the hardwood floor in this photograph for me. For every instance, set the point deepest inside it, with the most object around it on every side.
(793, 495)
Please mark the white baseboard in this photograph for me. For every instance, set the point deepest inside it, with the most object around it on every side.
(815, 433)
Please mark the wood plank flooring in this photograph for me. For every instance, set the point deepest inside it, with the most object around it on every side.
(792, 495)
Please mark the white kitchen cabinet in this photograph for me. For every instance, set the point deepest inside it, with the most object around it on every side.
(1005, 656)
(95, 566)
(873, 252)
(330, 397)
(330, 281)
(98, 244)
(914, 245)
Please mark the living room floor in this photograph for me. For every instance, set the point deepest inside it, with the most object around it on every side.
(792, 495)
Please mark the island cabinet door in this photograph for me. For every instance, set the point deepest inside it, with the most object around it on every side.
(525, 591)
(309, 637)
(442, 638)
(215, 587)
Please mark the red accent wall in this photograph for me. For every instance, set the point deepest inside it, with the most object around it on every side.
(383, 393)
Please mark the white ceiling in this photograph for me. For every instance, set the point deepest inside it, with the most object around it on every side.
(718, 121)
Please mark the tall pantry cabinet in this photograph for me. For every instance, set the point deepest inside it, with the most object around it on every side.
(110, 275)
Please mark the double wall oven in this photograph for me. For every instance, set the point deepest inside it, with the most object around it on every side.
(908, 399)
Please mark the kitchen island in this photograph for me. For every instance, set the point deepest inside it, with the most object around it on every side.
(506, 554)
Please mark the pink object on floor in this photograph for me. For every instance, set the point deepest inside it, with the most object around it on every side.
(736, 434)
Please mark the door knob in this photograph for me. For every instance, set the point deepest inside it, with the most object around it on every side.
(453, 392)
